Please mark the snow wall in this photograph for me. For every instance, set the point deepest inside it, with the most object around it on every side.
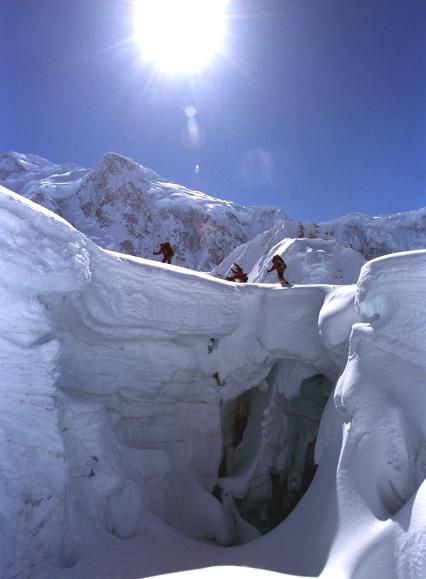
(155, 419)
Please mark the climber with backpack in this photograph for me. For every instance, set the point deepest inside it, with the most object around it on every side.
(239, 274)
(166, 250)
(279, 265)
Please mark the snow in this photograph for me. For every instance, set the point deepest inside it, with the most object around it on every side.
(124, 206)
(331, 252)
(226, 573)
(309, 261)
(156, 419)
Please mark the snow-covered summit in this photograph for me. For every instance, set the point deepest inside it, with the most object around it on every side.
(115, 164)
(40, 180)
(24, 173)
(126, 207)
(371, 236)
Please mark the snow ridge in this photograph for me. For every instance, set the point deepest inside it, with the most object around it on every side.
(126, 207)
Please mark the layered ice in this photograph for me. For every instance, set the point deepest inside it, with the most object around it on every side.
(156, 419)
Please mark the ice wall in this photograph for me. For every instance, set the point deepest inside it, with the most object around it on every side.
(39, 254)
(136, 365)
(381, 401)
(138, 398)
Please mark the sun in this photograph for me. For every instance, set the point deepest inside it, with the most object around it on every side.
(180, 36)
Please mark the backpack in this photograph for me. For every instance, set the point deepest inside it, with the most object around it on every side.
(167, 248)
(278, 261)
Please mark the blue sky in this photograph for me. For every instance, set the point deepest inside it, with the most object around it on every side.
(317, 106)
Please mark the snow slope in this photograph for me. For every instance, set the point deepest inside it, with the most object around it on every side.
(126, 207)
(308, 261)
(151, 415)
(331, 252)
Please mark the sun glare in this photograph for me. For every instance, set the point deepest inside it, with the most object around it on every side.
(180, 36)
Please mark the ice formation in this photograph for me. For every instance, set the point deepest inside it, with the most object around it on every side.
(156, 419)
(309, 261)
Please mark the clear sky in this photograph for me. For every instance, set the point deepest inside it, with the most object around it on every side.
(316, 106)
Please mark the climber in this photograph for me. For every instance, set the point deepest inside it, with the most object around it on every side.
(167, 251)
(238, 274)
(279, 264)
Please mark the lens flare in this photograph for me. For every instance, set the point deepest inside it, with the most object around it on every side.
(180, 36)
(190, 111)
(192, 134)
(256, 168)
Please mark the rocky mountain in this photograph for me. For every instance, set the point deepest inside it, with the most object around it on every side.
(126, 207)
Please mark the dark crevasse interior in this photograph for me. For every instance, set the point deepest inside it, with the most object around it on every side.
(272, 438)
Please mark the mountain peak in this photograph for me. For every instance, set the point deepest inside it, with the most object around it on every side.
(115, 164)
